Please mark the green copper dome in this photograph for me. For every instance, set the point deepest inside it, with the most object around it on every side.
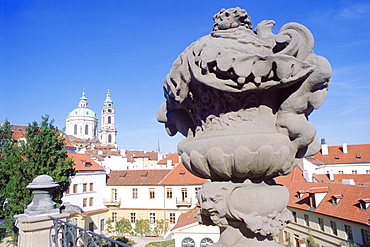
(82, 110)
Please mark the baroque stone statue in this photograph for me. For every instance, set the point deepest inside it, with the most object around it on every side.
(242, 98)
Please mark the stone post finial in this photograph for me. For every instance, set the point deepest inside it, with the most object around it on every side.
(42, 188)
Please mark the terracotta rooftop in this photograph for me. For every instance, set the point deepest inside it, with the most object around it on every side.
(359, 153)
(136, 177)
(180, 175)
(174, 157)
(347, 209)
(18, 134)
(82, 162)
(359, 179)
(186, 218)
(176, 176)
(131, 155)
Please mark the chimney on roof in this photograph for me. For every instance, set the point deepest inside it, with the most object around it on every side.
(344, 148)
(324, 147)
(331, 175)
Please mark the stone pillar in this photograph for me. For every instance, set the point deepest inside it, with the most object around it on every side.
(35, 224)
(242, 99)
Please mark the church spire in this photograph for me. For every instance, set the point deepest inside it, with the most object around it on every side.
(108, 101)
(83, 101)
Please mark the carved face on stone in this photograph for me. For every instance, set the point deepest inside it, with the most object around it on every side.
(213, 202)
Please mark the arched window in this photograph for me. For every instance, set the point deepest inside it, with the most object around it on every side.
(109, 138)
(75, 129)
(109, 119)
(187, 242)
(86, 129)
(205, 242)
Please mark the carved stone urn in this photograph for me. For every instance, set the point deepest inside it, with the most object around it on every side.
(242, 98)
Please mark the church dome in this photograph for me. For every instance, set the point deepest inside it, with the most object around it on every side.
(82, 112)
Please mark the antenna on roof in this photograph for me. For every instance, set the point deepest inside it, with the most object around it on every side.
(158, 146)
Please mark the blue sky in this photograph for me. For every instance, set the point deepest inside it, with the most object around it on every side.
(51, 50)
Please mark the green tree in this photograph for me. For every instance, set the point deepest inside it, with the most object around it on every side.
(123, 226)
(142, 226)
(161, 226)
(43, 152)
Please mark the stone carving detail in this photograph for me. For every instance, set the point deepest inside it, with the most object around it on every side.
(242, 98)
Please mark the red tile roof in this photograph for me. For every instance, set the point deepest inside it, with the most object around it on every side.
(359, 153)
(82, 162)
(18, 134)
(180, 175)
(174, 157)
(131, 155)
(347, 208)
(136, 177)
(176, 176)
(359, 179)
(186, 218)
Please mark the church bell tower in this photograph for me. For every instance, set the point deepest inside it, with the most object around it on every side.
(107, 132)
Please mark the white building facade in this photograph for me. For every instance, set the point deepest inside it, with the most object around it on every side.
(82, 122)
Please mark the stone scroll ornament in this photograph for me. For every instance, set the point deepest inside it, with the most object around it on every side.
(242, 98)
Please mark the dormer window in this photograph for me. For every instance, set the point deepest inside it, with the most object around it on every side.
(87, 163)
(312, 200)
(337, 157)
(335, 199)
(182, 174)
(358, 156)
(144, 175)
(300, 193)
(364, 203)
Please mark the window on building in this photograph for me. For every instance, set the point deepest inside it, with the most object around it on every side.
(133, 217)
(312, 200)
(114, 217)
(84, 187)
(152, 218)
(91, 201)
(340, 172)
(197, 189)
(91, 186)
(75, 187)
(68, 191)
(294, 216)
(172, 218)
(306, 220)
(205, 242)
(91, 226)
(364, 204)
(169, 193)
(151, 193)
(365, 237)
(134, 193)
(75, 129)
(321, 224)
(354, 171)
(184, 193)
(109, 138)
(349, 233)
(84, 202)
(114, 195)
(333, 226)
(187, 242)
(102, 225)
(109, 119)
(367, 171)
(86, 129)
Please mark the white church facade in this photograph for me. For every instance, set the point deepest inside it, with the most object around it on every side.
(82, 124)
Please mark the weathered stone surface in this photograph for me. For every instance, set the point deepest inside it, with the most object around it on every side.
(242, 98)
(247, 93)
